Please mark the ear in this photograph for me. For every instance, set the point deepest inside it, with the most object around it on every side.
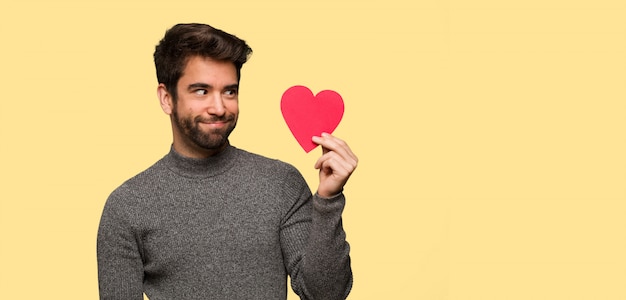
(165, 99)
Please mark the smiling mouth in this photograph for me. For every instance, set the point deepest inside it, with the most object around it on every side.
(218, 124)
(223, 120)
(215, 123)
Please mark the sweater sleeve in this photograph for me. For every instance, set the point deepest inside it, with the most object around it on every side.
(120, 268)
(318, 256)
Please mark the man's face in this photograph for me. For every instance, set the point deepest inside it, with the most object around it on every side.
(207, 107)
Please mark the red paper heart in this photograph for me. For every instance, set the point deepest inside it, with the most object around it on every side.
(307, 115)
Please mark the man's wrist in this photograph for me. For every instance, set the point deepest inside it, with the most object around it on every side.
(329, 197)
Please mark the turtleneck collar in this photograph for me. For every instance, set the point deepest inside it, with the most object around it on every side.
(200, 167)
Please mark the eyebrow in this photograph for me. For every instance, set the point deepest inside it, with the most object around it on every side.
(232, 87)
(200, 85)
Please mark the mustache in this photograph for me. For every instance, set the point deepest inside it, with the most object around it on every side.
(225, 118)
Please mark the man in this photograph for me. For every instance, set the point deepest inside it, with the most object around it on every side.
(211, 221)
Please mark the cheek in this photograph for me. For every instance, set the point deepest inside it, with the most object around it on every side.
(232, 107)
(189, 109)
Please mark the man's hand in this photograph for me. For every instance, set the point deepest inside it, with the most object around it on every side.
(336, 164)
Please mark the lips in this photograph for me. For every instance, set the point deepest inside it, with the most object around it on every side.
(214, 120)
(215, 124)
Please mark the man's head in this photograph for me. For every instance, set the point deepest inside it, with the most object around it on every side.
(184, 41)
(198, 68)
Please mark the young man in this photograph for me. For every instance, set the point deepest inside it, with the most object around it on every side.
(211, 221)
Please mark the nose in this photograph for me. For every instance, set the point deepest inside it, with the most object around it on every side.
(216, 105)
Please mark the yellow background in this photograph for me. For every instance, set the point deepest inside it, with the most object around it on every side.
(491, 134)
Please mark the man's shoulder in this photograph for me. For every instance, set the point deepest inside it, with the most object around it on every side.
(259, 159)
(271, 173)
(144, 180)
(260, 162)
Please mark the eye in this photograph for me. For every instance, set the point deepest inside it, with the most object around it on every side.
(201, 92)
(231, 92)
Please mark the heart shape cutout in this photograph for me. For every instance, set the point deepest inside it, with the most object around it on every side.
(307, 115)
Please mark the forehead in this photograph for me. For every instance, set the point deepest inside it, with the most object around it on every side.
(206, 69)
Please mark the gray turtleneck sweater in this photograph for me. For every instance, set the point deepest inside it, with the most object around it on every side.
(232, 226)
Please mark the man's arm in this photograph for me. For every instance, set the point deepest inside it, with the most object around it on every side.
(323, 270)
(317, 256)
(120, 268)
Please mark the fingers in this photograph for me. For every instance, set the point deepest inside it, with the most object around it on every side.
(331, 162)
(331, 144)
(336, 164)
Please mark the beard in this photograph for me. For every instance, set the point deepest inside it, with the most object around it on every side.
(213, 139)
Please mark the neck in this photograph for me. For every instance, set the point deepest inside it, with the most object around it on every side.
(201, 167)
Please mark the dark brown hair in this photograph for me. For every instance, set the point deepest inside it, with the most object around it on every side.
(184, 41)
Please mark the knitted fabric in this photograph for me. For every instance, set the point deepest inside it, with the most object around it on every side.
(232, 226)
